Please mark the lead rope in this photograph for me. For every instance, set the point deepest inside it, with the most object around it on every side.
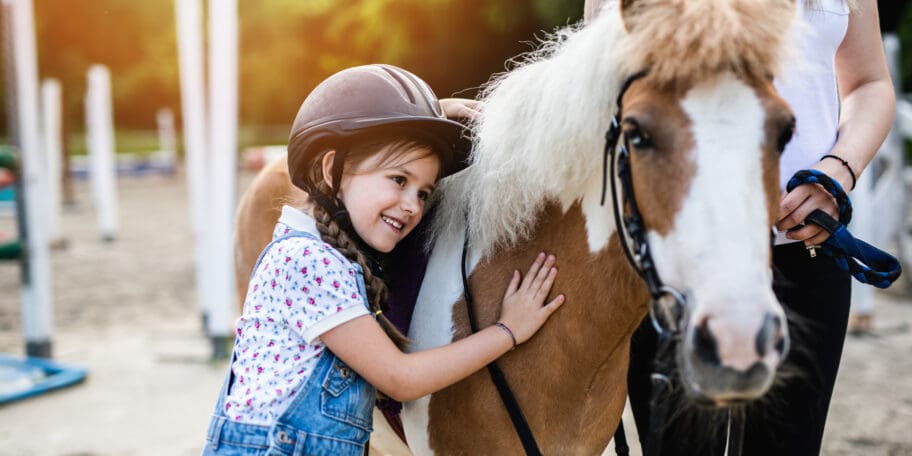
(523, 431)
(866, 263)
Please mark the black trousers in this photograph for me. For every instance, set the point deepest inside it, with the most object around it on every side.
(790, 419)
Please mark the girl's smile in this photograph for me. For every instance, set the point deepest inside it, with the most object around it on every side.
(386, 197)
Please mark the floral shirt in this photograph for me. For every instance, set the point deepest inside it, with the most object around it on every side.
(301, 288)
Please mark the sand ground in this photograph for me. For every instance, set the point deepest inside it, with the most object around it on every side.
(126, 310)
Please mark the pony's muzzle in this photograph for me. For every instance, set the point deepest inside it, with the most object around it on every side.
(724, 365)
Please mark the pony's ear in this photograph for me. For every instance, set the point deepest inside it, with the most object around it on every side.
(628, 13)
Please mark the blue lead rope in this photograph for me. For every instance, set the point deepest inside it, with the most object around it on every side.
(866, 263)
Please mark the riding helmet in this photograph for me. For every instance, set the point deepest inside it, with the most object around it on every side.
(367, 100)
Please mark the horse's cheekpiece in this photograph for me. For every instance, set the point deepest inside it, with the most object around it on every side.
(668, 305)
(866, 263)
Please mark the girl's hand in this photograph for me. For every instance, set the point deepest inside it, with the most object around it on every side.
(522, 310)
(460, 108)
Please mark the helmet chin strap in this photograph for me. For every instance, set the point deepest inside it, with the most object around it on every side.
(333, 205)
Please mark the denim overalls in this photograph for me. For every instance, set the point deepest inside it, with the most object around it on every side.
(330, 415)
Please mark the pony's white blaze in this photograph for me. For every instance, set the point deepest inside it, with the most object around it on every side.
(432, 321)
(718, 247)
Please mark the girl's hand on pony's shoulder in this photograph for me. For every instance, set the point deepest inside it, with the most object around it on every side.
(522, 310)
(460, 108)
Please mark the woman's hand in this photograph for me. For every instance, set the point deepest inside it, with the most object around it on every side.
(522, 310)
(460, 108)
(796, 205)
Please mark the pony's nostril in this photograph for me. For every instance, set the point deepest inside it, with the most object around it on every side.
(771, 335)
(705, 345)
(780, 345)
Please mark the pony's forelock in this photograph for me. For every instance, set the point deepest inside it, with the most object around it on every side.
(684, 41)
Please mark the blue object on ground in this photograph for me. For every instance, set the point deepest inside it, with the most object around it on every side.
(25, 377)
(8, 194)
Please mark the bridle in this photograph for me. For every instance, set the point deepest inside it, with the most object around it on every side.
(668, 305)
(631, 228)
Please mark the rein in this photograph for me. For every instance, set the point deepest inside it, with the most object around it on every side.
(523, 431)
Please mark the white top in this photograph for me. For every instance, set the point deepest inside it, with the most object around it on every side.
(301, 289)
(808, 85)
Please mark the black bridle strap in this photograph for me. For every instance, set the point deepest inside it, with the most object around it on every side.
(621, 448)
(523, 431)
(614, 131)
(631, 230)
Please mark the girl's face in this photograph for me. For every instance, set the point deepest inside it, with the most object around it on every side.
(385, 197)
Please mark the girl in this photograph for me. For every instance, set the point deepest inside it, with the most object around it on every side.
(368, 145)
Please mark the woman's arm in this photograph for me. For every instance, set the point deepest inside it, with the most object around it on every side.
(363, 345)
(460, 108)
(866, 115)
(867, 96)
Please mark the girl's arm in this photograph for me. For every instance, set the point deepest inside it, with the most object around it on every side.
(363, 345)
(866, 115)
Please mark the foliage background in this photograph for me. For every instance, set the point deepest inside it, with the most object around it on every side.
(286, 48)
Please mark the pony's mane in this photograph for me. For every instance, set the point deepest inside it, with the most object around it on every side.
(540, 124)
(683, 41)
(540, 136)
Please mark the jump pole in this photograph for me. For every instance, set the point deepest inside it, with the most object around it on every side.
(167, 143)
(223, 86)
(100, 135)
(19, 37)
(52, 134)
(189, 18)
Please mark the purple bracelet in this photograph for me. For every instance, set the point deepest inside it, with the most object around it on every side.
(507, 329)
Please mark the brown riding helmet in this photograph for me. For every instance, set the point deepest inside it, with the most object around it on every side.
(369, 100)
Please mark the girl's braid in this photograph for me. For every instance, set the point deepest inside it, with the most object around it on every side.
(377, 291)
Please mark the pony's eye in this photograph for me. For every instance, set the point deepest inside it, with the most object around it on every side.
(785, 136)
(639, 140)
(636, 137)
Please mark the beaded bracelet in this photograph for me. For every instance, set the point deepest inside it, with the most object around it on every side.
(844, 163)
(507, 329)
